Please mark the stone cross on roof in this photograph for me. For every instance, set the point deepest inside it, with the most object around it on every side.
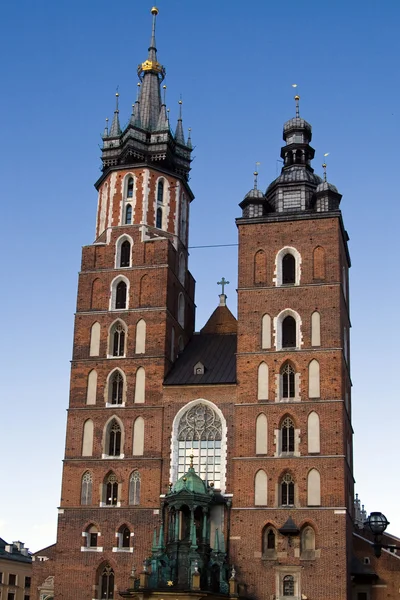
(223, 283)
(222, 296)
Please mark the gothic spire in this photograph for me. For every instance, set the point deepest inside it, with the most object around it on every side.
(115, 130)
(179, 135)
(151, 74)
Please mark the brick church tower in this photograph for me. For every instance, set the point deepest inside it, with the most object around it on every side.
(235, 442)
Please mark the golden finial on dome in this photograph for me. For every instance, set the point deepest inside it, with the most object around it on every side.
(154, 11)
(324, 168)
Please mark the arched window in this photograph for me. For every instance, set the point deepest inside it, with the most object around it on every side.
(116, 388)
(159, 218)
(183, 218)
(315, 329)
(124, 537)
(319, 263)
(145, 291)
(111, 490)
(86, 489)
(125, 258)
(91, 534)
(266, 332)
(96, 295)
(314, 379)
(181, 310)
(288, 382)
(269, 542)
(140, 386)
(288, 585)
(287, 266)
(289, 332)
(307, 543)
(120, 295)
(313, 433)
(117, 339)
(200, 431)
(87, 441)
(140, 345)
(128, 214)
(314, 488)
(288, 269)
(263, 381)
(114, 439)
(138, 437)
(261, 434)
(160, 192)
(182, 268)
(287, 490)
(260, 268)
(91, 390)
(134, 488)
(107, 583)
(94, 340)
(287, 435)
(261, 488)
(129, 188)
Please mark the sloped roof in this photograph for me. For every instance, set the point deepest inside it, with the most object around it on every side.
(15, 554)
(221, 321)
(217, 352)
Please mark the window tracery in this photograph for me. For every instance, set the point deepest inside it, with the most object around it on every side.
(200, 433)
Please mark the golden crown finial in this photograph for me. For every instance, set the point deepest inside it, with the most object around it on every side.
(297, 97)
(154, 11)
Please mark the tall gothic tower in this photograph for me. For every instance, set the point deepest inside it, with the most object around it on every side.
(293, 477)
(236, 441)
(135, 312)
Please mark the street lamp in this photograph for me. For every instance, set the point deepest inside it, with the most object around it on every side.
(377, 524)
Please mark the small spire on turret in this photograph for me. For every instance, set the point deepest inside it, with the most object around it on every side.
(256, 175)
(189, 140)
(324, 168)
(179, 136)
(163, 122)
(105, 134)
(297, 99)
(191, 456)
(164, 87)
(115, 130)
(135, 116)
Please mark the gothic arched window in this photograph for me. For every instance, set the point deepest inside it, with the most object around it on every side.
(86, 489)
(288, 585)
(111, 490)
(114, 439)
(128, 214)
(287, 435)
(129, 188)
(134, 488)
(269, 542)
(120, 295)
(125, 538)
(288, 387)
(117, 339)
(125, 260)
(116, 388)
(200, 432)
(107, 583)
(287, 490)
(288, 269)
(159, 218)
(289, 331)
(160, 192)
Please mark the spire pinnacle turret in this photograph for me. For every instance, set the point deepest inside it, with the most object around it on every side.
(297, 99)
(324, 168)
(105, 134)
(179, 135)
(115, 130)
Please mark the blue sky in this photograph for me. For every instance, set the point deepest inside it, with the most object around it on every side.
(234, 63)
